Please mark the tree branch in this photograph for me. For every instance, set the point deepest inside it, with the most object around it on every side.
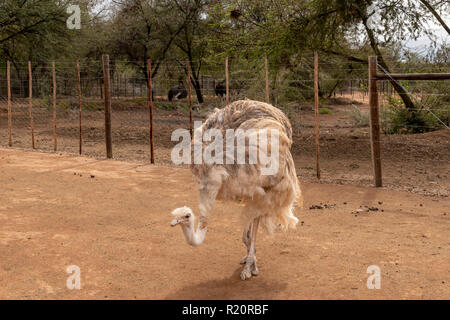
(437, 16)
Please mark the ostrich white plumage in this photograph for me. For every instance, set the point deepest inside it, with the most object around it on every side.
(268, 199)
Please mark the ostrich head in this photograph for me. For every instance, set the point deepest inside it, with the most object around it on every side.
(185, 218)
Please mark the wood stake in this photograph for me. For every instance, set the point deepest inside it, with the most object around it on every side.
(80, 106)
(107, 95)
(8, 75)
(227, 84)
(188, 80)
(374, 122)
(54, 106)
(150, 109)
(267, 80)
(30, 96)
(316, 108)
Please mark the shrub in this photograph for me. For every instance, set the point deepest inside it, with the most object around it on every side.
(165, 106)
(324, 101)
(44, 102)
(359, 118)
(325, 110)
(398, 119)
(92, 106)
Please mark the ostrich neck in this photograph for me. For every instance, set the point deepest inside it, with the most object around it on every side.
(194, 238)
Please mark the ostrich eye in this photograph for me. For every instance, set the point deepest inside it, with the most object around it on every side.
(187, 216)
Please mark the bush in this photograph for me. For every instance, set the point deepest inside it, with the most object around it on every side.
(44, 102)
(166, 106)
(359, 118)
(325, 110)
(92, 106)
(324, 101)
(398, 119)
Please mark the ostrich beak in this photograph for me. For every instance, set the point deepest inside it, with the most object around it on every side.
(174, 222)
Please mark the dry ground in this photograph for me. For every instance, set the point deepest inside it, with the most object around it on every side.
(111, 218)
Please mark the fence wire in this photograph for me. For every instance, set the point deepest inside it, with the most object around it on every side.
(415, 152)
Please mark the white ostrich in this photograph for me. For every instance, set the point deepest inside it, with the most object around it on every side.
(269, 199)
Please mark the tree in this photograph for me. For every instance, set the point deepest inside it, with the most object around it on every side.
(192, 40)
(142, 30)
(20, 19)
(33, 30)
(340, 27)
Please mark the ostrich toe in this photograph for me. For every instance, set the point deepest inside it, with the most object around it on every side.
(255, 270)
(246, 274)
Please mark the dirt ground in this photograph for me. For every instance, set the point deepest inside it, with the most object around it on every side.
(111, 218)
(418, 163)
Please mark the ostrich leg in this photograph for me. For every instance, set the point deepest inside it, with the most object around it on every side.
(246, 239)
(250, 267)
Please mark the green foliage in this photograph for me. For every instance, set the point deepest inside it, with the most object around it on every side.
(33, 30)
(325, 110)
(166, 106)
(92, 106)
(358, 117)
(44, 102)
(62, 104)
(398, 119)
(204, 32)
(324, 101)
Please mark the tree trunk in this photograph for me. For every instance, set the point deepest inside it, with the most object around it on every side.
(333, 89)
(398, 88)
(198, 89)
(25, 85)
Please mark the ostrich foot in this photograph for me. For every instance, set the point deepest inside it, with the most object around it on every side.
(250, 269)
(246, 274)
(254, 269)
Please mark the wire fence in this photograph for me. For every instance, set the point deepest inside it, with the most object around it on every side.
(415, 152)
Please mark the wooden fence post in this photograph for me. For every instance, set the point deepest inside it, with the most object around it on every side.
(54, 106)
(150, 109)
(8, 75)
(266, 63)
(107, 94)
(374, 122)
(188, 66)
(316, 108)
(30, 96)
(227, 84)
(80, 106)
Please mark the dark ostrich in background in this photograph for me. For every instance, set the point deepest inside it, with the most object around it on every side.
(220, 89)
(177, 92)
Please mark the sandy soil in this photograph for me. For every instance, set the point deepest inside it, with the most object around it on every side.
(111, 218)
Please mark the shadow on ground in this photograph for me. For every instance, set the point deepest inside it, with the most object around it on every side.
(230, 288)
